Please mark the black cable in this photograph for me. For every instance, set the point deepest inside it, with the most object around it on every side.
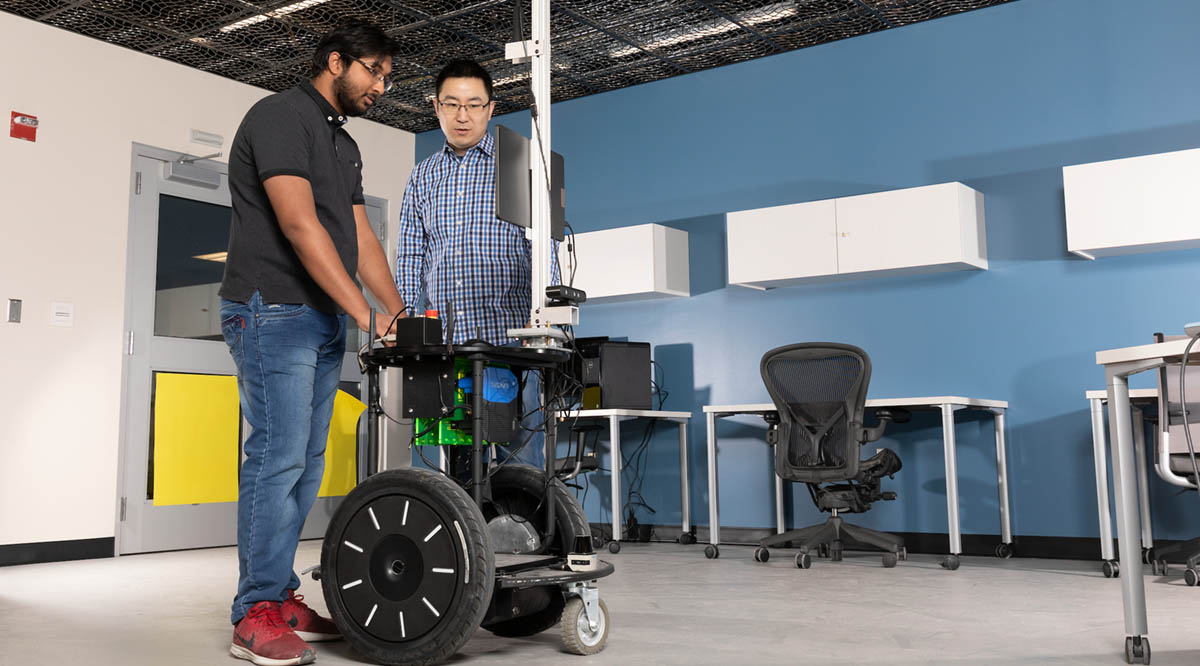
(638, 456)
(1187, 430)
(571, 253)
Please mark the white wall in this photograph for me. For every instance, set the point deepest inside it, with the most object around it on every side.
(64, 215)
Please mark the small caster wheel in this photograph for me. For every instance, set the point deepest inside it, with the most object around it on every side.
(803, 561)
(598, 537)
(578, 637)
(1147, 555)
(835, 551)
(903, 554)
(614, 547)
(711, 551)
(1111, 569)
(1137, 650)
(687, 538)
(823, 550)
(1158, 567)
(950, 562)
(1191, 576)
(761, 554)
(889, 560)
(1004, 551)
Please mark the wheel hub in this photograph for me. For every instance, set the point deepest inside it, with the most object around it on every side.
(397, 567)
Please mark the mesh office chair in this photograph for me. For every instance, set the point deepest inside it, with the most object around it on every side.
(819, 390)
(1172, 461)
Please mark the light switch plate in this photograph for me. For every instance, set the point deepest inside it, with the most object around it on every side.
(14, 310)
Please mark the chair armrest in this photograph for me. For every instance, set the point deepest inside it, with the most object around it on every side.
(885, 416)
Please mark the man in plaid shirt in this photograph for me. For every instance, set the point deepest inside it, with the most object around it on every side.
(452, 247)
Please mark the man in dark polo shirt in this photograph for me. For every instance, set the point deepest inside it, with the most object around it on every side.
(300, 234)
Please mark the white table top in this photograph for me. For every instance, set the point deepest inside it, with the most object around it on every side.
(639, 413)
(1172, 349)
(1134, 394)
(928, 401)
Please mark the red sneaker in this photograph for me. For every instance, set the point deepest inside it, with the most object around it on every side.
(305, 621)
(265, 639)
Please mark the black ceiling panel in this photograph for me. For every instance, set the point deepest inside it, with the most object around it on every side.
(597, 45)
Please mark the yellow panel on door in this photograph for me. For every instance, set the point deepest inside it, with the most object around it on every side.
(196, 420)
(341, 449)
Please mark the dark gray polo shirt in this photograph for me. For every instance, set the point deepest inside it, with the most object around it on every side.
(296, 132)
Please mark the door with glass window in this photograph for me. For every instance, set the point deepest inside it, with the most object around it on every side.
(182, 427)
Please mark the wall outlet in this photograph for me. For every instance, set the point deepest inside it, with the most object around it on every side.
(14, 310)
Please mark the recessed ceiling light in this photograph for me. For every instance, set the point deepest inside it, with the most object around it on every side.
(768, 14)
(275, 13)
(218, 257)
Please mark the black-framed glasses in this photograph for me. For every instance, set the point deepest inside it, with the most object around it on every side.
(388, 84)
(473, 108)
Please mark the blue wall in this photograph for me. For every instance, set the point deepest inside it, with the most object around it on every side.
(999, 99)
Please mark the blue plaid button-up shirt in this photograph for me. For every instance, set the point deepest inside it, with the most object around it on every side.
(457, 253)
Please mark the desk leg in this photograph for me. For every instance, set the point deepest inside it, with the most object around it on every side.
(780, 528)
(614, 436)
(714, 517)
(1001, 427)
(684, 489)
(1100, 456)
(1139, 451)
(951, 478)
(1133, 585)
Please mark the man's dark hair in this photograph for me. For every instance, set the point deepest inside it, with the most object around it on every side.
(464, 69)
(353, 38)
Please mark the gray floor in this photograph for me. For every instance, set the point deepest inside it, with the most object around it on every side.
(669, 605)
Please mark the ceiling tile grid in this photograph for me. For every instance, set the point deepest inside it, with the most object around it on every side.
(598, 45)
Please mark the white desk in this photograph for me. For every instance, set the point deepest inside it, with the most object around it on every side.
(1138, 398)
(1118, 365)
(946, 404)
(615, 417)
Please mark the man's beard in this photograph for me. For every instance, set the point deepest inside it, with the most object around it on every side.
(350, 103)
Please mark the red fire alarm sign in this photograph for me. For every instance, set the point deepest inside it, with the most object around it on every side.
(23, 126)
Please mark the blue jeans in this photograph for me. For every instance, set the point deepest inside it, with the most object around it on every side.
(289, 358)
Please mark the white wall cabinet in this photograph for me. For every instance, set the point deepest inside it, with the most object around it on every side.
(644, 261)
(1131, 205)
(917, 230)
(777, 246)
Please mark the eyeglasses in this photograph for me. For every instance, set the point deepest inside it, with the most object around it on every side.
(473, 109)
(388, 84)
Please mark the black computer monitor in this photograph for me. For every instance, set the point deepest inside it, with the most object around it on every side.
(513, 183)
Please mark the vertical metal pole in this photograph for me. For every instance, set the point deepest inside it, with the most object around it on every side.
(684, 486)
(374, 414)
(550, 441)
(614, 435)
(1002, 475)
(539, 153)
(714, 517)
(477, 431)
(1139, 451)
(780, 528)
(951, 478)
(1100, 455)
(1133, 585)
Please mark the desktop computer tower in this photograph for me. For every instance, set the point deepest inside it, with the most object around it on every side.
(614, 375)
